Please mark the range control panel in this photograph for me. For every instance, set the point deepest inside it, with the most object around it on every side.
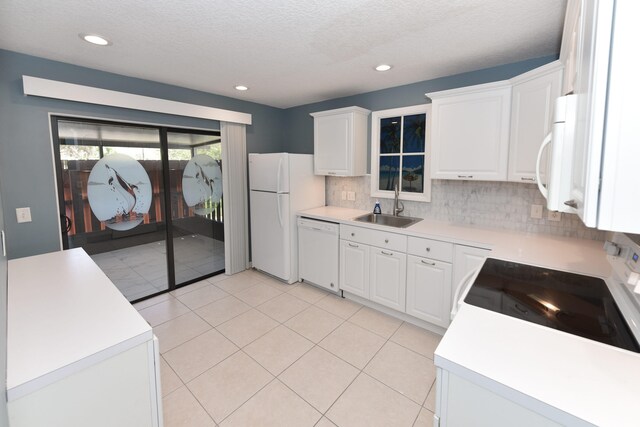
(624, 256)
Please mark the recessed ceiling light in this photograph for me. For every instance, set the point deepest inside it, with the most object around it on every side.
(241, 87)
(95, 39)
(383, 67)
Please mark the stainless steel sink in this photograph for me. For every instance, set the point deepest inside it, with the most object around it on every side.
(388, 220)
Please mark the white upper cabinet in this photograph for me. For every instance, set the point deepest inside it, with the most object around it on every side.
(532, 99)
(470, 132)
(570, 45)
(340, 141)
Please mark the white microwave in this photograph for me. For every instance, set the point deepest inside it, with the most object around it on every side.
(594, 167)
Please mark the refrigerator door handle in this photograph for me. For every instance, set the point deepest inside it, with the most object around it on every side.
(278, 182)
(279, 209)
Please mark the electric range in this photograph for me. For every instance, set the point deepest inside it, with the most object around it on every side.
(601, 309)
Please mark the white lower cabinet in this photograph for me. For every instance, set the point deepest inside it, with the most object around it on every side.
(412, 275)
(463, 403)
(388, 271)
(429, 290)
(465, 260)
(354, 268)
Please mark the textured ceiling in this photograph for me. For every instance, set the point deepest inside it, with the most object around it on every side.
(288, 52)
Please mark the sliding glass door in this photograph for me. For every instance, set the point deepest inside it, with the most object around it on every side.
(195, 171)
(127, 197)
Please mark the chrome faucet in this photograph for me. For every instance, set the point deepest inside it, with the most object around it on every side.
(398, 207)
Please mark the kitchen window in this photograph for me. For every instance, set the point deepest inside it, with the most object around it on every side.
(400, 153)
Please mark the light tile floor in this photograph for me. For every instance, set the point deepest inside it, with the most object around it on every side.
(247, 350)
(141, 270)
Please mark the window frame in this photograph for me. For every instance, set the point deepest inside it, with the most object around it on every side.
(376, 117)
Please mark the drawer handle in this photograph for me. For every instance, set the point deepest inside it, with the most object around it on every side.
(353, 245)
(465, 176)
(523, 178)
(386, 253)
(428, 249)
(572, 204)
(427, 262)
(386, 240)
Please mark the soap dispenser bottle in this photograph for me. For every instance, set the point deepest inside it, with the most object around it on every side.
(376, 208)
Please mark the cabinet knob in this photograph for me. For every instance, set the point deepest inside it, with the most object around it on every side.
(428, 249)
(353, 234)
(332, 285)
(386, 240)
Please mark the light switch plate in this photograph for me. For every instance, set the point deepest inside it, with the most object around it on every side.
(23, 214)
(351, 195)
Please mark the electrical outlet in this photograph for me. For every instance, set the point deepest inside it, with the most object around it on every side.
(343, 196)
(536, 211)
(351, 195)
(554, 216)
(23, 214)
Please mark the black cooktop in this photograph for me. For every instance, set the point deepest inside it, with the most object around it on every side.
(572, 303)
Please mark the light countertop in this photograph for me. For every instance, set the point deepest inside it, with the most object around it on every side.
(63, 314)
(556, 252)
(592, 381)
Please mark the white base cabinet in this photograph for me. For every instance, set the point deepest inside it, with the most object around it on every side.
(429, 290)
(354, 268)
(408, 274)
(462, 403)
(466, 260)
(78, 353)
(119, 391)
(388, 271)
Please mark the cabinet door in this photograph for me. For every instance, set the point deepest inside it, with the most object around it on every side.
(470, 138)
(531, 114)
(388, 278)
(354, 268)
(569, 47)
(466, 259)
(332, 135)
(429, 290)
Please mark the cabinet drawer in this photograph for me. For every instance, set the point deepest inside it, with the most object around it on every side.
(354, 234)
(434, 249)
(392, 241)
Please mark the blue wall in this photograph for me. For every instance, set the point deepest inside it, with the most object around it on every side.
(26, 162)
(299, 131)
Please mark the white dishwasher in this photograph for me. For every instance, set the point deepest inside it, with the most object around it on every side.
(318, 252)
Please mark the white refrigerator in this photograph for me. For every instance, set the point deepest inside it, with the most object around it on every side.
(281, 184)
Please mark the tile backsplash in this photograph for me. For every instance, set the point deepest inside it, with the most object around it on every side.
(504, 205)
